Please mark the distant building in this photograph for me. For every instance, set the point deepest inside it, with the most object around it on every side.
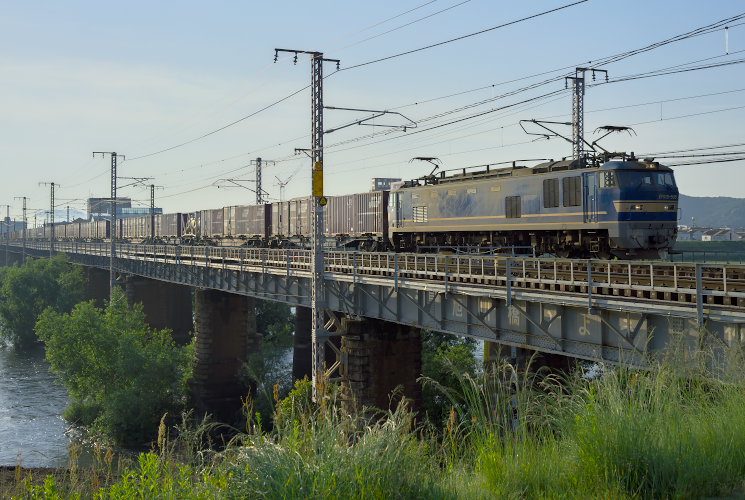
(125, 213)
(383, 183)
(8, 225)
(100, 206)
(717, 235)
(684, 235)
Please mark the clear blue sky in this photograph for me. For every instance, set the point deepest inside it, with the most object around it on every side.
(136, 77)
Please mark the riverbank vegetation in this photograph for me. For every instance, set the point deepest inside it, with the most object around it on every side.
(662, 433)
(122, 375)
(26, 291)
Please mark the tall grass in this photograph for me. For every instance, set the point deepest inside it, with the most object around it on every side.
(668, 432)
(627, 434)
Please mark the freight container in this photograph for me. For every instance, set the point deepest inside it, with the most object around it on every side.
(300, 223)
(212, 223)
(280, 220)
(137, 228)
(356, 217)
(168, 226)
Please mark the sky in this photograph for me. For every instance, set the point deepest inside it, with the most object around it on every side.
(149, 79)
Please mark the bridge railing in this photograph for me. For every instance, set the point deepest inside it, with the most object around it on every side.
(569, 275)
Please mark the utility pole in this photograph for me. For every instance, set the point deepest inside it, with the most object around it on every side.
(318, 306)
(259, 190)
(68, 214)
(23, 254)
(51, 216)
(112, 230)
(152, 208)
(7, 231)
(578, 107)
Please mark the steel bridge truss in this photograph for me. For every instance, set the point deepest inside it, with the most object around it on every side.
(614, 311)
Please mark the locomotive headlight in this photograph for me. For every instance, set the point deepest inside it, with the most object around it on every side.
(670, 207)
(637, 207)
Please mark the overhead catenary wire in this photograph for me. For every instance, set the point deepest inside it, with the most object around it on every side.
(467, 118)
(405, 25)
(463, 37)
(616, 57)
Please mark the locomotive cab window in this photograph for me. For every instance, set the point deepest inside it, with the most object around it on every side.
(572, 191)
(608, 179)
(512, 207)
(550, 193)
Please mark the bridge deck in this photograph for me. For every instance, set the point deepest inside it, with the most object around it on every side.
(586, 308)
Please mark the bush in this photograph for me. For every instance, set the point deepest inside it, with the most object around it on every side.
(122, 375)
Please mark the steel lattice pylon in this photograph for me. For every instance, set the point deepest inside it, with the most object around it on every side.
(319, 334)
(318, 339)
(578, 113)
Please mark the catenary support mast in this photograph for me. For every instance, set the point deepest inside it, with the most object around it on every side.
(318, 306)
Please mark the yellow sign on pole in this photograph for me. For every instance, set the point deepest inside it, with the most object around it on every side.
(318, 179)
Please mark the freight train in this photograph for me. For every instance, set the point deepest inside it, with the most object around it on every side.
(590, 207)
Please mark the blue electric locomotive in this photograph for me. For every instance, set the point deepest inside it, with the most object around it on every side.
(578, 208)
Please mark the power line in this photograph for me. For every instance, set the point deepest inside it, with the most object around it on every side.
(705, 162)
(689, 115)
(721, 146)
(617, 57)
(462, 37)
(405, 25)
(235, 122)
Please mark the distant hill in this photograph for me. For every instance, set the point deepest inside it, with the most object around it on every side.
(713, 211)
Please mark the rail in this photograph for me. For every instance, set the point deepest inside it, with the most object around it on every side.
(699, 283)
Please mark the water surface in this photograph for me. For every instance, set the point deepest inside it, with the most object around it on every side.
(32, 431)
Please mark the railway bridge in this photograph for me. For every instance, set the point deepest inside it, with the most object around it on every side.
(610, 311)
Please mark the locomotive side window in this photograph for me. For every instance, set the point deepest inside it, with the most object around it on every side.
(608, 179)
(512, 207)
(572, 191)
(550, 193)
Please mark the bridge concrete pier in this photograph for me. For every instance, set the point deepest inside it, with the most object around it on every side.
(166, 305)
(96, 285)
(302, 354)
(225, 332)
(380, 357)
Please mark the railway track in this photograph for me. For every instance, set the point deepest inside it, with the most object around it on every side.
(720, 285)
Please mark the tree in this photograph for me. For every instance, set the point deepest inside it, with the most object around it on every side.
(121, 374)
(26, 291)
(444, 357)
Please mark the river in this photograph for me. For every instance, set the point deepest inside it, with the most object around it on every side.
(32, 431)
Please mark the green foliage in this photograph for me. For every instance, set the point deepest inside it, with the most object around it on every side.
(154, 477)
(275, 321)
(266, 370)
(122, 375)
(332, 454)
(298, 406)
(445, 359)
(26, 291)
(628, 434)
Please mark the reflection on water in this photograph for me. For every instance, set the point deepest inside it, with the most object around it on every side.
(32, 431)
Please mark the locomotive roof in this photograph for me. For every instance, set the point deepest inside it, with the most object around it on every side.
(542, 168)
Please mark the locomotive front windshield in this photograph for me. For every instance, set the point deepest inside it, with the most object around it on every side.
(635, 179)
